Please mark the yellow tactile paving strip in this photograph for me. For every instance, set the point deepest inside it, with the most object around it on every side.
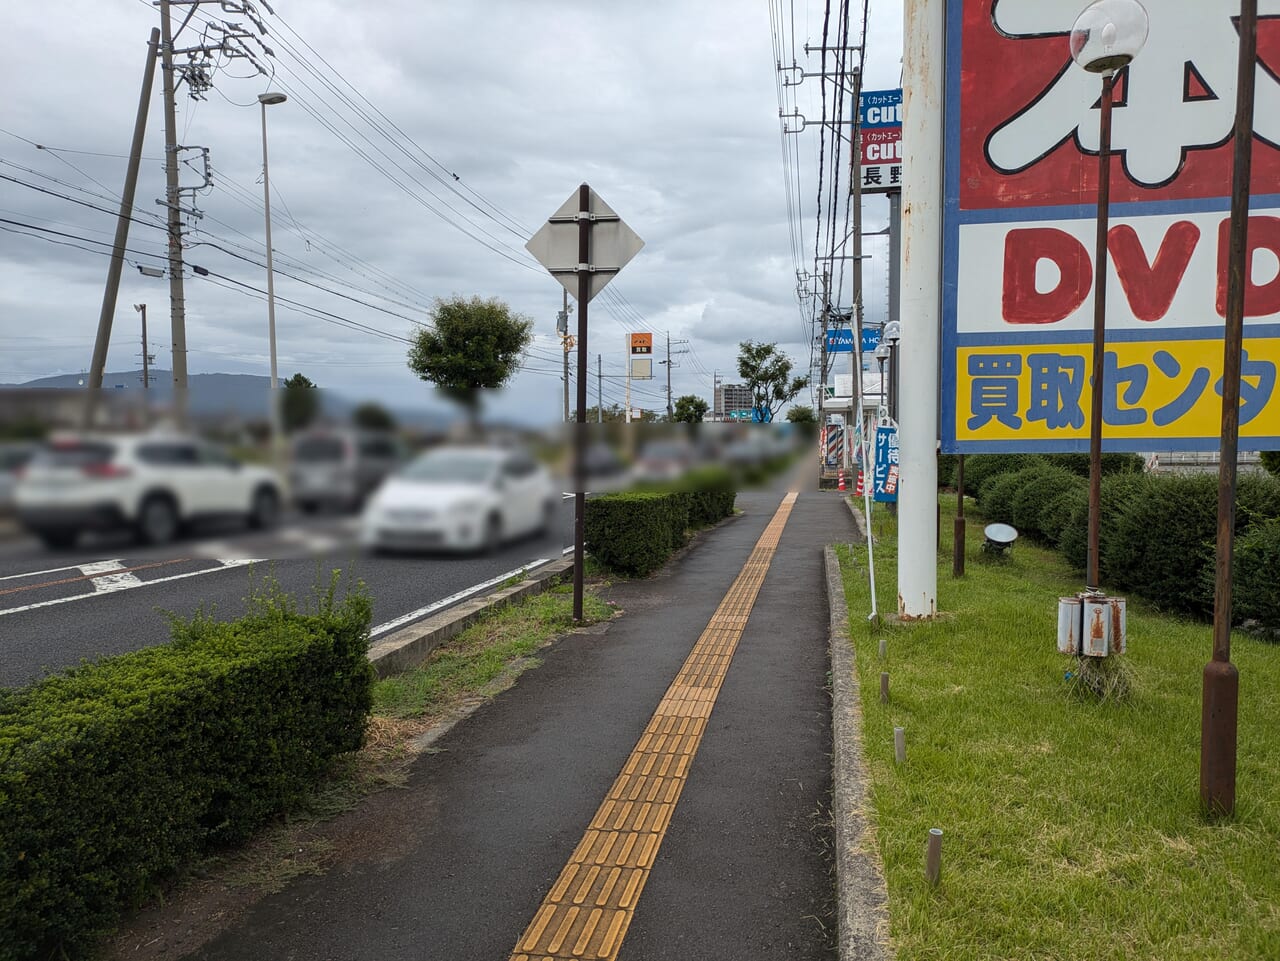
(587, 911)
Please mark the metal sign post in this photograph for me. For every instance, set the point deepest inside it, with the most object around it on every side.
(583, 245)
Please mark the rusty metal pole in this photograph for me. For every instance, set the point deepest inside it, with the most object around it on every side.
(1099, 330)
(957, 547)
(580, 428)
(1221, 684)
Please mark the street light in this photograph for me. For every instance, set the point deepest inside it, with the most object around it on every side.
(883, 353)
(1105, 38)
(891, 334)
(270, 98)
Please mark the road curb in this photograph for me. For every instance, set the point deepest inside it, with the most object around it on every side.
(862, 898)
(408, 647)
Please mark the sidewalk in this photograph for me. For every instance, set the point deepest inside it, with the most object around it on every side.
(734, 859)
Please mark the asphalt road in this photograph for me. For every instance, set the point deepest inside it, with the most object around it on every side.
(109, 595)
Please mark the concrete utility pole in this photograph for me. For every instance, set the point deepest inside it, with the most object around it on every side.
(146, 358)
(177, 300)
(107, 315)
(599, 391)
(895, 291)
(922, 81)
(670, 413)
(566, 345)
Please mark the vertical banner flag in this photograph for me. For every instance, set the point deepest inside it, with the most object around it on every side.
(1021, 183)
(884, 478)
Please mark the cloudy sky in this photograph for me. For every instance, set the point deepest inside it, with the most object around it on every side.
(420, 146)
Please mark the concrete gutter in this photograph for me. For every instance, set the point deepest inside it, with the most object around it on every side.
(860, 888)
(408, 647)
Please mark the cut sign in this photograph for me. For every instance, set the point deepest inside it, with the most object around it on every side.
(1019, 234)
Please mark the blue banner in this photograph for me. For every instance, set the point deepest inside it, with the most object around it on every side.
(870, 339)
(884, 477)
(878, 109)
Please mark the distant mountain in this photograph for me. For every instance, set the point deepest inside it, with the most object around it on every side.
(240, 395)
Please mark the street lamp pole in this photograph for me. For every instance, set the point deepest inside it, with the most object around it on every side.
(1105, 38)
(267, 99)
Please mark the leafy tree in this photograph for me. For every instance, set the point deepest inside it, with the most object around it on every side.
(1271, 461)
(471, 345)
(767, 374)
(690, 409)
(801, 415)
(373, 416)
(300, 403)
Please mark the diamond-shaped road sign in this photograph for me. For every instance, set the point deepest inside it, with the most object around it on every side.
(613, 244)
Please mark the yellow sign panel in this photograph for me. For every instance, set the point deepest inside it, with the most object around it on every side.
(1161, 391)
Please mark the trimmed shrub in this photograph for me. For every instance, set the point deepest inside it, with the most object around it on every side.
(1073, 541)
(1111, 463)
(1255, 592)
(1055, 515)
(979, 467)
(712, 493)
(1029, 501)
(115, 774)
(997, 494)
(1270, 461)
(636, 531)
(947, 469)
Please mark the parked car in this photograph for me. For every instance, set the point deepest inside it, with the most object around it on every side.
(153, 484)
(663, 460)
(340, 467)
(13, 459)
(460, 498)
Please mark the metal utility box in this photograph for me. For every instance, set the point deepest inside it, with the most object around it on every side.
(1069, 625)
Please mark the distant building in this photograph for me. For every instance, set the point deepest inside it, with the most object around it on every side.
(731, 397)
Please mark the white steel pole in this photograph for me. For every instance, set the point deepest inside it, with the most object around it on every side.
(922, 140)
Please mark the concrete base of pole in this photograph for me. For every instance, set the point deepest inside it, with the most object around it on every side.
(1220, 699)
(957, 548)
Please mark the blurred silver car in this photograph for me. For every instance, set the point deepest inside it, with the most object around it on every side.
(460, 498)
(13, 458)
(340, 467)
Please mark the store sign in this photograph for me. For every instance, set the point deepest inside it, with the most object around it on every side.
(884, 477)
(880, 133)
(1021, 182)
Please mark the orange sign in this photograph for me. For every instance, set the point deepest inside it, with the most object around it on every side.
(642, 343)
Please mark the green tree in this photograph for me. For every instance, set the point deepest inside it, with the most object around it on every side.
(373, 416)
(799, 414)
(300, 403)
(767, 374)
(470, 346)
(690, 409)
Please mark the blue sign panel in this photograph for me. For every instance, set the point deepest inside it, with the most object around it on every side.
(878, 109)
(840, 341)
(870, 339)
(884, 478)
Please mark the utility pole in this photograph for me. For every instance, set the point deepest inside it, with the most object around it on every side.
(715, 395)
(107, 315)
(626, 417)
(177, 301)
(599, 391)
(146, 358)
(566, 345)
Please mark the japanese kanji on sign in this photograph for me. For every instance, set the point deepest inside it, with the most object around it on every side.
(1021, 190)
(880, 131)
(884, 478)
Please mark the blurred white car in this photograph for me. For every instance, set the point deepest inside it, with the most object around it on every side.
(152, 484)
(460, 498)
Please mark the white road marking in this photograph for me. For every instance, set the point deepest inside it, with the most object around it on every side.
(453, 599)
(52, 570)
(227, 564)
(116, 580)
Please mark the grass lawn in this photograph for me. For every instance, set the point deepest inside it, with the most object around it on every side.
(1072, 828)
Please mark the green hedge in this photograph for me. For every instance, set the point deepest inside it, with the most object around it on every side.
(1255, 591)
(635, 532)
(1030, 500)
(1073, 542)
(115, 774)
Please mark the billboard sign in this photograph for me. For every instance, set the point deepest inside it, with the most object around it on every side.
(640, 361)
(840, 341)
(880, 130)
(870, 340)
(1021, 181)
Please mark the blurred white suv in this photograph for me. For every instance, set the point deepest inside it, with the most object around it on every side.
(152, 484)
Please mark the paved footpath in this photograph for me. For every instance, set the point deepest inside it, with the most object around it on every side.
(656, 790)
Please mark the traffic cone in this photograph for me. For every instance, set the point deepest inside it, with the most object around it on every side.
(840, 484)
(858, 490)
